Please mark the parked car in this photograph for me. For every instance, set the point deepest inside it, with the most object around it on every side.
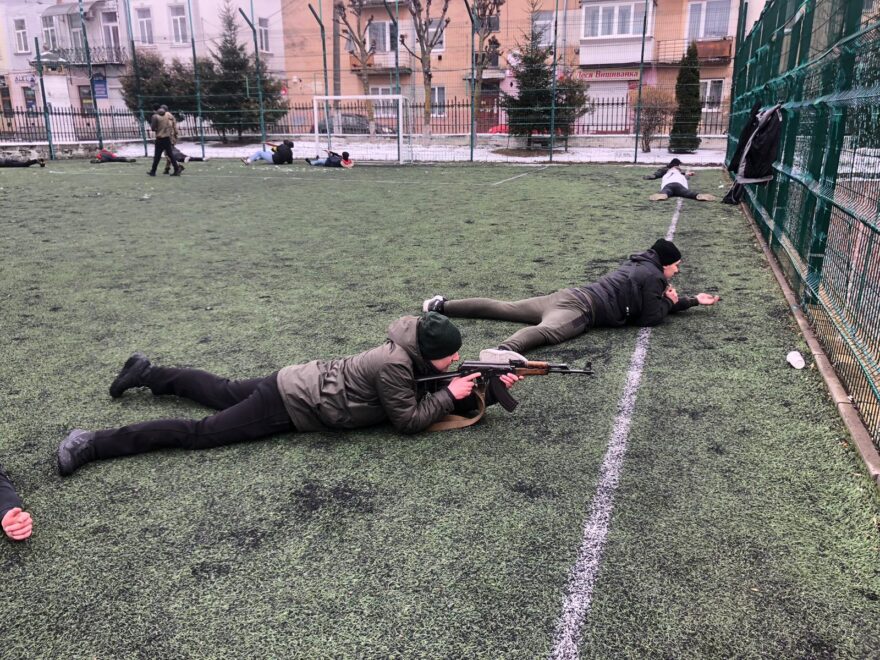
(352, 123)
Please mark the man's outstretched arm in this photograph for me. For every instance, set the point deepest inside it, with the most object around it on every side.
(17, 524)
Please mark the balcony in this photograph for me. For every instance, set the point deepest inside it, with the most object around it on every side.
(709, 51)
(77, 56)
(492, 69)
(382, 62)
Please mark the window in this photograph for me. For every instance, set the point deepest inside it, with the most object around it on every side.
(110, 29)
(30, 98)
(708, 19)
(438, 101)
(145, 25)
(6, 101)
(85, 98)
(710, 95)
(178, 24)
(382, 36)
(50, 34)
(384, 108)
(544, 24)
(435, 27)
(493, 23)
(263, 34)
(613, 20)
(21, 36)
(76, 38)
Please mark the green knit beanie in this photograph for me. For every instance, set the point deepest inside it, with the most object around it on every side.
(438, 337)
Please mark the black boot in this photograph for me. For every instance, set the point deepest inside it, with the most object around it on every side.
(132, 374)
(75, 451)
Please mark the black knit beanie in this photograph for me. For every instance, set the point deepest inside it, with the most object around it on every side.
(667, 252)
(438, 337)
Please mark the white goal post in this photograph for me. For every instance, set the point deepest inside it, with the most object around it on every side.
(351, 117)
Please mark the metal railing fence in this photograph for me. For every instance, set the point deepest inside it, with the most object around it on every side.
(608, 116)
(821, 214)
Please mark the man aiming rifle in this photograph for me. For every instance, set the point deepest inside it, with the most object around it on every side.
(490, 373)
(361, 390)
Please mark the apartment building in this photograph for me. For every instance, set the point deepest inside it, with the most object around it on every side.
(161, 26)
(600, 41)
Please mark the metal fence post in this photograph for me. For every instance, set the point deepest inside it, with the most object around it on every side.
(192, 39)
(46, 119)
(82, 21)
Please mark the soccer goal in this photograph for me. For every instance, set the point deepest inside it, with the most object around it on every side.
(369, 127)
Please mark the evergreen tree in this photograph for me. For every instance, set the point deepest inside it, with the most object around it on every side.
(152, 80)
(233, 95)
(683, 136)
(529, 110)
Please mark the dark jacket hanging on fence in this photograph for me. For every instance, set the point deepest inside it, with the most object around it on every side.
(757, 150)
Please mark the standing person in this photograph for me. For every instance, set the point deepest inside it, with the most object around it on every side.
(180, 157)
(14, 162)
(164, 126)
(333, 159)
(347, 393)
(280, 154)
(17, 524)
(675, 184)
(637, 293)
(107, 156)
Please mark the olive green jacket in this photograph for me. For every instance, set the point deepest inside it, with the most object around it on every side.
(367, 388)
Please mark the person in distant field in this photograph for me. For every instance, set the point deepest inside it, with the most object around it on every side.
(280, 154)
(659, 172)
(675, 184)
(180, 157)
(164, 126)
(107, 156)
(17, 524)
(14, 162)
(361, 390)
(333, 159)
(638, 293)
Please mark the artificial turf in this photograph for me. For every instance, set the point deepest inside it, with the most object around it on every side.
(743, 525)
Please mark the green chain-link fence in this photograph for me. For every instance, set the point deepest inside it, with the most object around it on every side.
(821, 60)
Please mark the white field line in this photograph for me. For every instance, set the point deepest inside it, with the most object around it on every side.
(583, 575)
(267, 176)
(498, 183)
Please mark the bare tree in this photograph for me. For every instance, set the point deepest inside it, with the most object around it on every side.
(429, 31)
(486, 46)
(356, 27)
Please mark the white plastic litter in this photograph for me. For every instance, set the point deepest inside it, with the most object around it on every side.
(795, 359)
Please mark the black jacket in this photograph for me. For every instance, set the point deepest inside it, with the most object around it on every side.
(8, 497)
(283, 155)
(633, 294)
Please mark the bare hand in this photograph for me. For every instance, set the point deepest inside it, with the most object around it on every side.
(707, 298)
(462, 387)
(671, 294)
(509, 380)
(17, 524)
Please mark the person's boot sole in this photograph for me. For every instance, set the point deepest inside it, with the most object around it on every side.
(130, 374)
(68, 461)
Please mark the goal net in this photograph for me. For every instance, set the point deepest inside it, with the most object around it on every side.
(369, 127)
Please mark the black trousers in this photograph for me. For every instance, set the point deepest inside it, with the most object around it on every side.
(248, 410)
(12, 162)
(163, 146)
(678, 190)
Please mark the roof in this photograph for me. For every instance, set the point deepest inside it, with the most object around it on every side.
(69, 8)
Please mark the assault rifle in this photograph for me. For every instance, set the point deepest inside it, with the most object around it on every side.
(489, 372)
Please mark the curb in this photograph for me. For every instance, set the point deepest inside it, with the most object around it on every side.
(845, 408)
